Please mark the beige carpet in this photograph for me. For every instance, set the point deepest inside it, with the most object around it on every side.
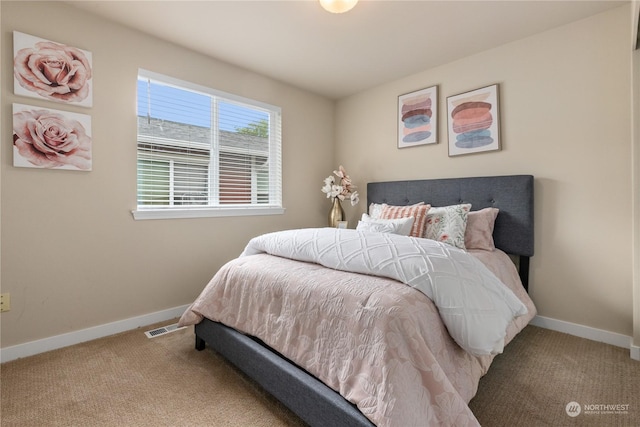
(542, 371)
(130, 380)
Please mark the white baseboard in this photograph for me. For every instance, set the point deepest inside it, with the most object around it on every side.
(40, 346)
(589, 333)
(635, 352)
(59, 341)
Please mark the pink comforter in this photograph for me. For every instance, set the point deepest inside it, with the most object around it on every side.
(378, 342)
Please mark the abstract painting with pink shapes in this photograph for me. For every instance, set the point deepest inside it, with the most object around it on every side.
(418, 118)
(473, 119)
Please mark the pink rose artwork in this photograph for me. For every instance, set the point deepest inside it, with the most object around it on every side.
(51, 139)
(51, 70)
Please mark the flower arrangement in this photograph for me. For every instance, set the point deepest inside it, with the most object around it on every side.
(342, 188)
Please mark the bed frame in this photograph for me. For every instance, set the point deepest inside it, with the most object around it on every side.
(309, 398)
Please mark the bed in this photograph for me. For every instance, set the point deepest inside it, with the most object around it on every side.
(289, 366)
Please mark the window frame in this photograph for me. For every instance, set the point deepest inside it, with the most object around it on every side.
(274, 207)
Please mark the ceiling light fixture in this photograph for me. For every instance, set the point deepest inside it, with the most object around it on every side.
(338, 6)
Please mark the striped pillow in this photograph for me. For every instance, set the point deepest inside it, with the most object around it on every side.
(417, 211)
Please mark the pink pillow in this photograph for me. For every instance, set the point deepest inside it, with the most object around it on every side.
(417, 211)
(479, 232)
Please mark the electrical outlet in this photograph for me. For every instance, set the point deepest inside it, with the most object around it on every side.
(5, 302)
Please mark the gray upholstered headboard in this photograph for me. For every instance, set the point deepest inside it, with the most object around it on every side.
(512, 194)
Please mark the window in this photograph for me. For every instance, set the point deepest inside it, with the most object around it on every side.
(202, 152)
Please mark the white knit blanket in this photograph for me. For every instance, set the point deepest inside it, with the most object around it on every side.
(473, 303)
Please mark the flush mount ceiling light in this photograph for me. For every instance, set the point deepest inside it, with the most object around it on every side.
(338, 6)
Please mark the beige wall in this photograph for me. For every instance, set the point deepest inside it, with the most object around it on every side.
(565, 98)
(72, 255)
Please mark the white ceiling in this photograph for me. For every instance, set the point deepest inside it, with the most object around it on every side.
(296, 41)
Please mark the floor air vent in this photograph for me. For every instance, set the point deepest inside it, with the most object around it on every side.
(163, 330)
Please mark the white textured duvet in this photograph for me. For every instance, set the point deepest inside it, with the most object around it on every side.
(473, 304)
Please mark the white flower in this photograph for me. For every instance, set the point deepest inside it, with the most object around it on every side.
(355, 198)
(341, 189)
(336, 191)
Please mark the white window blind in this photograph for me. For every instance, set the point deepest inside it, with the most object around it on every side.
(202, 152)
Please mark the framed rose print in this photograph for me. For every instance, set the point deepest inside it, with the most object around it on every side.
(52, 139)
(418, 118)
(48, 70)
(474, 121)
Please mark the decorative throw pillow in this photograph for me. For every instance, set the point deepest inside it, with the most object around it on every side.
(375, 209)
(479, 232)
(400, 226)
(447, 224)
(417, 211)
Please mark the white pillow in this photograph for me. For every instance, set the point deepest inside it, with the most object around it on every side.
(375, 227)
(375, 209)
(400, 226)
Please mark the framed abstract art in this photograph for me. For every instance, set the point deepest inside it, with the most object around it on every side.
(418, 118)
(474, 121)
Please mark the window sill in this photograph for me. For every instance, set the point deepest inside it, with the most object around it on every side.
(143, 214)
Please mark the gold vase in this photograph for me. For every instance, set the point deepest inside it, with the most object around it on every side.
(336, 213)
